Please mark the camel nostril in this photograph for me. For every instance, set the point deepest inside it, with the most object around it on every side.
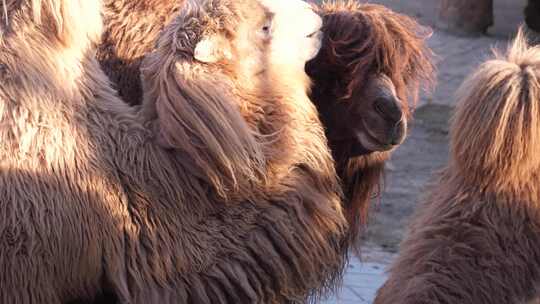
(379, 108)
(398, 133)
(388, 108)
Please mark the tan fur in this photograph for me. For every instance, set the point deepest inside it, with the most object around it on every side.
(131, 31)
(475, 239)
(502, 156)
(154, 205)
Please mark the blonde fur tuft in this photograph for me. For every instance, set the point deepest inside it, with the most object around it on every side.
(496, 127)
(69, 21)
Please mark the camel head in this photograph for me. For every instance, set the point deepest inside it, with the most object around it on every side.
(252, 46)
(370, 66)
(365, 78)
(251, 39)
(226, 76)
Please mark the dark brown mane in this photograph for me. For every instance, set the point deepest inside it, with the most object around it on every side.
(363, 40)
(376, 40)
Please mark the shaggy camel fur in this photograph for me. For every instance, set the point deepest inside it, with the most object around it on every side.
(369, 53)
(475, 240)
(131, 29)
(362, 45)
(152, 205)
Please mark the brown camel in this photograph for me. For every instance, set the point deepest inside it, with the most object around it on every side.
(218, 189)
(475, 238)
(367, 75)
(366, 79)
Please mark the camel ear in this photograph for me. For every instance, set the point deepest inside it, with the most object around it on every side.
(212, 49)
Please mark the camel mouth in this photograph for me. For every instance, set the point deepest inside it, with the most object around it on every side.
(259, 72)
(370, 141)
(314, 34)
(315, 39)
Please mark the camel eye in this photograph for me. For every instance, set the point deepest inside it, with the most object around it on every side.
(267, 28)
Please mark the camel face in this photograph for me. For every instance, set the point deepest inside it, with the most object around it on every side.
(372, 119)
(270, 35)
(296, 31)
(377, 61)
(382, 125)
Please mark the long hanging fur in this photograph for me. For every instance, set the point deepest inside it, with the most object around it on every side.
(99, 197)
(475, 238)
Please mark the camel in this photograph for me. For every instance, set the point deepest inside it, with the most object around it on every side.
(474, 239)
(366, 79)
(131, 29)
(189, 198)
(383, 62)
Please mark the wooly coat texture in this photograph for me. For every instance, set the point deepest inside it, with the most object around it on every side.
(213, 191)
(359, 40)
(475, 238)
(131, 29)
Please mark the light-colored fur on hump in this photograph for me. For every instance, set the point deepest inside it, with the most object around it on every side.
(496, 128)
(101, 197)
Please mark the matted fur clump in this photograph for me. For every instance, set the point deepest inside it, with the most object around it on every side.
(475, 239)
(183, 200)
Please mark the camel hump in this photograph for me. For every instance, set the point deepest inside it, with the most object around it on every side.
(496, 127)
